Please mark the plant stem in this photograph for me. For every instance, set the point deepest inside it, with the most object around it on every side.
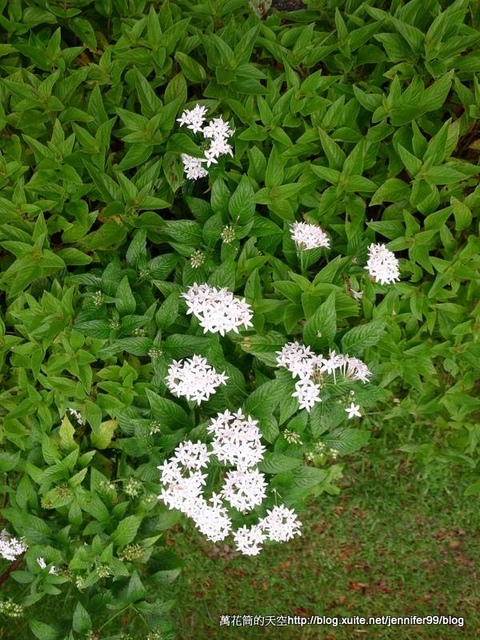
(12, 567)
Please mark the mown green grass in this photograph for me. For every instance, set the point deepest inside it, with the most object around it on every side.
(391, 543)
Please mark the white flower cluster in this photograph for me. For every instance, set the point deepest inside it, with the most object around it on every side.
(382, 264)
(10, 547)
(237, 443)
(280, 525)
(218, 132)
(309, 236)
(304, 364)
(194, 379)
(236, 440)
(217, 310)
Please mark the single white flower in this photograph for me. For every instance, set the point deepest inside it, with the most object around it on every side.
(309, 236)
(382, 264)
(353, 411)
(217, 148)
(357, 295)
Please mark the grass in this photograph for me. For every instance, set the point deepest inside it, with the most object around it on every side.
(394, 542)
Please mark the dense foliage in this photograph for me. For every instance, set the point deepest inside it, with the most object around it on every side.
(360, 117)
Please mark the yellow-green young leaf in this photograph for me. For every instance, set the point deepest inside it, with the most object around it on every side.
(50, 452)
(8, 461)
(78, 478)
(126, 530)
(57, 497)
(67, 431)
(462, 213)
(103, 434)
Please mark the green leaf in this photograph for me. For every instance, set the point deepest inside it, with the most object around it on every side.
(182, 346)
(167, 412)
(265, 347)
(168, 311)
(355, 341)
(462, 213)
(56, 498)
(72, 256)
(42, 631)
(187, 232)
(135, 590)
(181, 143)
(126, 530)
(330, 175)
(103, 434)
(224, 275)
(434, 96)
(412, 164)
(84, 30)
(392, 190)
(8, 461)
(94, 328)
(346, 440)
(67, 442)
(264, 400)
(278, 463)
(137, 253)
(241, 205)
(124, 298)
(110, 236)
(191, 68)
(81, 621)
(322, 325)
(219, 197)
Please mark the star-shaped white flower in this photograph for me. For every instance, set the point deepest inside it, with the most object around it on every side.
(353, 411)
